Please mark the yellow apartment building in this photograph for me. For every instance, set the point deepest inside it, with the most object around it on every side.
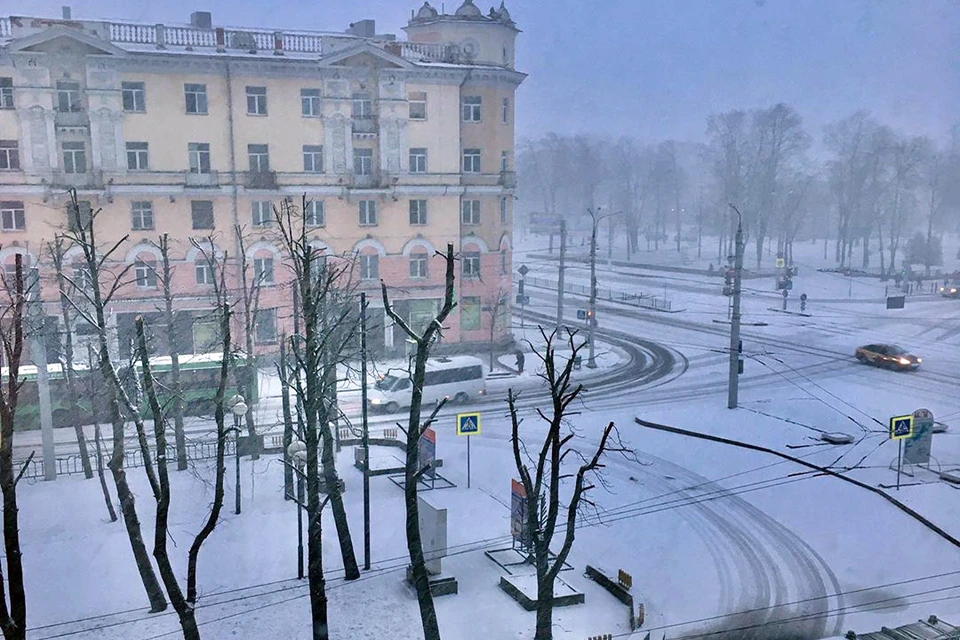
(400, 145)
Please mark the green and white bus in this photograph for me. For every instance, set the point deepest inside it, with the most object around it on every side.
(199, 378)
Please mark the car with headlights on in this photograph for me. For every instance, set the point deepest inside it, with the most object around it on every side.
(888, 356)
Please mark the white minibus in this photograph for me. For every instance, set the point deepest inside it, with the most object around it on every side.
(457, 378)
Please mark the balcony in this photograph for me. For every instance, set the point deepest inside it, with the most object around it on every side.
(364, 125)
(82, 181)
(209, 179)
(265, 180)
(71, 119)
(508, 179)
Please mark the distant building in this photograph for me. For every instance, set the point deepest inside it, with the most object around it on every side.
(401, 146)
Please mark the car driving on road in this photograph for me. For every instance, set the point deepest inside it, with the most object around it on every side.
(888, 356)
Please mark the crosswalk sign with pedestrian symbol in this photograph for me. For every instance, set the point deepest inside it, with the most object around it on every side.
(901, 427)
(468, 424)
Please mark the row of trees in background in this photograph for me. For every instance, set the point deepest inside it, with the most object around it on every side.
(870, 188)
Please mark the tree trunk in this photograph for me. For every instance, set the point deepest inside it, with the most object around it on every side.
(15, 626)
(129, 510)
(544, 630)
(101, 476)
(128, 507)
(421, 579)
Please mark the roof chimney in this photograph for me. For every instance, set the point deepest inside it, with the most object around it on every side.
(363, 28)
(65, 10)
(201, 20)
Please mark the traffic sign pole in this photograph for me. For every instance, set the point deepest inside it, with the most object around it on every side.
(468, 462)
(899, 461)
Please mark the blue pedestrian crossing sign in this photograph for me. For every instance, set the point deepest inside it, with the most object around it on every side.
(901, 427)
(468, 424)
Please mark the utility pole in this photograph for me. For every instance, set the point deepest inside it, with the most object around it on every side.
(592, 316)
(734, 381)
(38, 348)
(563, 259)
(366, 431)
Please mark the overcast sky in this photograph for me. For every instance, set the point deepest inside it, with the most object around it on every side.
(656, 68)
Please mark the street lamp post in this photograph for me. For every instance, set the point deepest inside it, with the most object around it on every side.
(239, 409)
(592, 315)
(297, 451)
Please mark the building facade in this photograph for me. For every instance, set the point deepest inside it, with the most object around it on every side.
(196, 131)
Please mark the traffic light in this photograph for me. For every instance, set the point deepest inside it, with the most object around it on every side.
(740, 366)
(740, 346)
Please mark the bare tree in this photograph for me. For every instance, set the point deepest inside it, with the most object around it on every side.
(544, 472)
(415, 428)
(57, 250)
(184, 604)
(13, 614)
(101, 286)
(329, 330)
(165, 278)
(97, 436)
(251, 285)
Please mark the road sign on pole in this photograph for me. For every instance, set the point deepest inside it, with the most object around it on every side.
(524, 270)
(468, 424)
(901, 427)
(780, 263)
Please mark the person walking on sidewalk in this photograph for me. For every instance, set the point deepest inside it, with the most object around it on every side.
(520, 358)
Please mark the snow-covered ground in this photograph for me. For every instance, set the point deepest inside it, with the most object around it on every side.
(716, 537)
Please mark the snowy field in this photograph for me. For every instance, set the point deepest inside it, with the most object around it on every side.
(716, 537)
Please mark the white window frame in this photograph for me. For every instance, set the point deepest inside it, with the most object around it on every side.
(363, 162)
(12, 217)
(198, 154)
(472, 108)
(369, 266)
(141, 215)
(419, 265)
(470, 212)
(259, 159)
(472, 160)
(203, 272)
(138, 156)
(6, 93)
(418, 212)
(310, 103)
(470, 261)
(418, 159)
(256, 100)
(10, 155)
(261, 214)
(137, 93)
(145, 275)
(313, 158)
(76, 151)
(263, 270)
(314, 215)
(418, 98)
(198, 92)
(361, 105)
(68, 92)
(367, 212)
